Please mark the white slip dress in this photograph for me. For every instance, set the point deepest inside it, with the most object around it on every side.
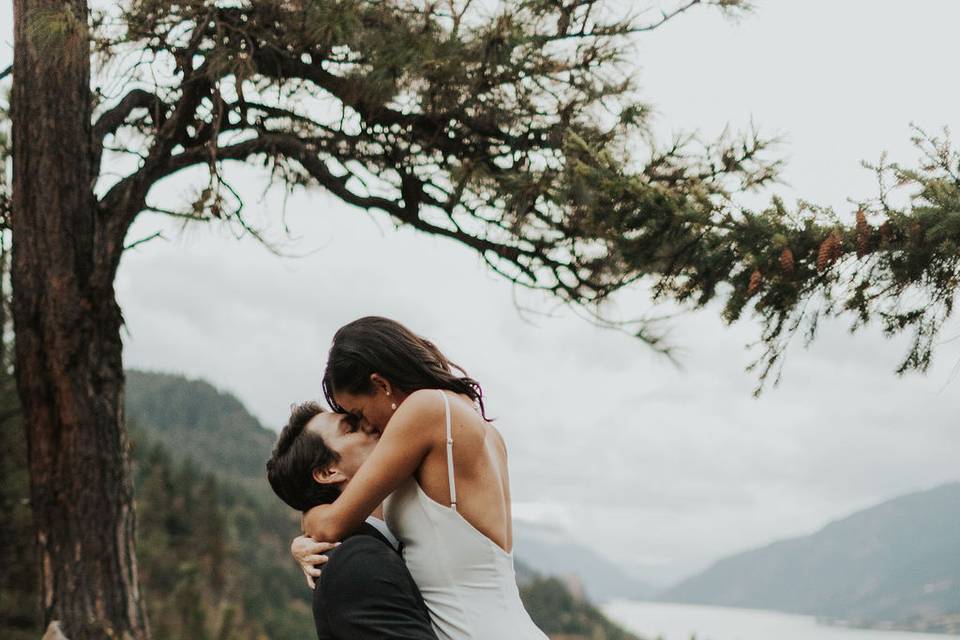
(467, 580)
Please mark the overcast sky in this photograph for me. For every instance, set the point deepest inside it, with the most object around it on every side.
(660, 468)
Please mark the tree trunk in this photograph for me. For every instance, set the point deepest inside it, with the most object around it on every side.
(67, 326)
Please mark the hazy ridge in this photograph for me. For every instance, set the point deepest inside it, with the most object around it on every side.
(896, 564)
(552, 551)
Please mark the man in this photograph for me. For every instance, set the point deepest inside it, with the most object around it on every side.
(364, 591)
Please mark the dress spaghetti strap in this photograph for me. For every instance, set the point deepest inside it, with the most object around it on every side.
(453, 484)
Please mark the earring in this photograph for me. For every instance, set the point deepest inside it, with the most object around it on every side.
(393, 405)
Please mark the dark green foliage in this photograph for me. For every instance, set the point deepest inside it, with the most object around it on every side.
(182, 564)
(215, 560)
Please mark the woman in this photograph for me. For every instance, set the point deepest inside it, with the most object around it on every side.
(440, 470)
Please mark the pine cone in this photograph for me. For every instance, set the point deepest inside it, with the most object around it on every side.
(755, 279)
(787, 263)
(830, 250)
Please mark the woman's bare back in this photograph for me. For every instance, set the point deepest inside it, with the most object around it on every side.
(480, 468)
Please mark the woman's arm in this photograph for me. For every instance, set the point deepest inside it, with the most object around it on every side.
(407, 439)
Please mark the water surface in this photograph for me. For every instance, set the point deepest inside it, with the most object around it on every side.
(681, 621)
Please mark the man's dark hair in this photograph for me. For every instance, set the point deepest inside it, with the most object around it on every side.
(297, 454)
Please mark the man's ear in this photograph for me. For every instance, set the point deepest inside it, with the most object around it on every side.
(379, 382)
(330, 475)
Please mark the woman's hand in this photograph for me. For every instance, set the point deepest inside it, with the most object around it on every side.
(309, 554)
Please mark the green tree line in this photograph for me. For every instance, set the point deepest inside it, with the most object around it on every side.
(214, 560)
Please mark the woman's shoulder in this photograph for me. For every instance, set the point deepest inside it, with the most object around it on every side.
(425, 408)
(422, 403)
(421, 413)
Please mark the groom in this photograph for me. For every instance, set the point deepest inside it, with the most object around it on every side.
(364, 592)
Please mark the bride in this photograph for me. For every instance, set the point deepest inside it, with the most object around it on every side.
(440, 469)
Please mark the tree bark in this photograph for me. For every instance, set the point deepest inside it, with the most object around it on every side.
(67, 325)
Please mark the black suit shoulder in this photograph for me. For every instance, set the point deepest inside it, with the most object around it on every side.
(358, 559)
(366, 592)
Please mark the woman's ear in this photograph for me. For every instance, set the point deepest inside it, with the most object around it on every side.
(379, 382)
(330, 475)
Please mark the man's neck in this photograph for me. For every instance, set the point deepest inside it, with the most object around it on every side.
(376, 521)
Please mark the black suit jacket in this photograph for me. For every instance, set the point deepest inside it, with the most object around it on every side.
(366, 593)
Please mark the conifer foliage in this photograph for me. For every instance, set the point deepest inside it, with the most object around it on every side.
(519, 132)
(893, 260)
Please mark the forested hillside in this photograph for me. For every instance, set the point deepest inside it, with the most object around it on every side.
(191, 417)
(213, 559)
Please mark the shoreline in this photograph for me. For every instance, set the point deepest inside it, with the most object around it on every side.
(680, 619)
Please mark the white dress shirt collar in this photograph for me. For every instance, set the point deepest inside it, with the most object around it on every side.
(381, 526)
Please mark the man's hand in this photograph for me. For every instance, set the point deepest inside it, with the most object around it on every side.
(310, 555)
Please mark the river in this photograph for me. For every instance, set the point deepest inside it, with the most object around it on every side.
(681, 621)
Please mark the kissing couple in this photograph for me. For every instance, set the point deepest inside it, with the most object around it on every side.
(405, 496)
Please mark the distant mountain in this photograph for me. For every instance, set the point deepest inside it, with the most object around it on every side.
(193, 419)
(550, 551)
(896, 564)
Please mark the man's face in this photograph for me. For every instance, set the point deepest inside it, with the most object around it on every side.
(353, 445)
